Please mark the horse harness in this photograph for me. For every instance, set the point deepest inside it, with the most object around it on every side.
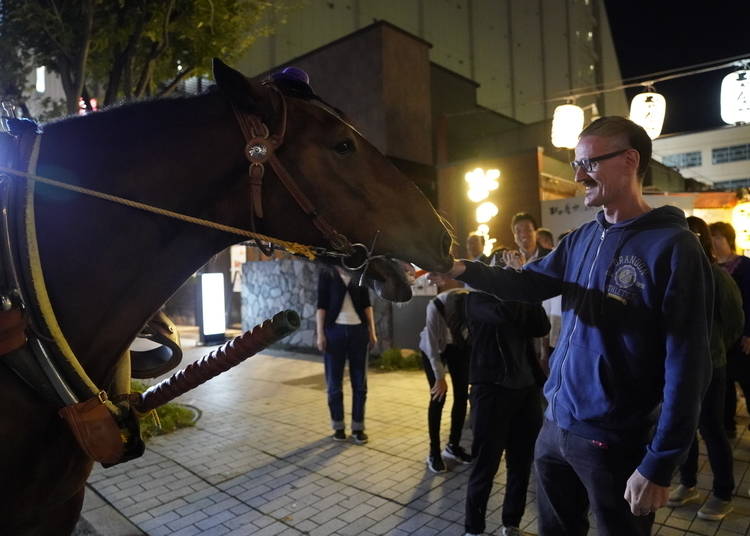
(32, 343)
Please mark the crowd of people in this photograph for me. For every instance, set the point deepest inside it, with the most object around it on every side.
(594, 360)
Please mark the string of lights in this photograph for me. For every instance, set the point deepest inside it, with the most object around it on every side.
(648, 108)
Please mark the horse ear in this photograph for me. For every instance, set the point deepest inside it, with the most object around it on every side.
(235, 86)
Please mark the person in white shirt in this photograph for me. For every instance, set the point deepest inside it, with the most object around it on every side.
(345, 327)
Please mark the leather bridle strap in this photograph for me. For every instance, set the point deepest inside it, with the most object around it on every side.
(260, 147)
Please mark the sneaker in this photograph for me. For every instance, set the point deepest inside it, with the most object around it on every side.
(435, 463)
(339, 435)
(511, 531)
(471, 534)
(715, 509)
(359, 437)
(457, 454)
(682, 495)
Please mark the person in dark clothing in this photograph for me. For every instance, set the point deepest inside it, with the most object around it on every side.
(728, 321)
(633, 361)
(345, 326)
(505, 379)
(738, 355)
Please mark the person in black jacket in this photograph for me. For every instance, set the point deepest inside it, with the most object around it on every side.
(345, 326)
(505, 378)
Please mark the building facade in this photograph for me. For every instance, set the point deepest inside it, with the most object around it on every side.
(720, 157)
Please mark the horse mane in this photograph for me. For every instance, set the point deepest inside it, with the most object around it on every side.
(172, 111)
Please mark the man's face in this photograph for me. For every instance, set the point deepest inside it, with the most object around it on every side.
(525, 235)
(474, 246)
(610, 177)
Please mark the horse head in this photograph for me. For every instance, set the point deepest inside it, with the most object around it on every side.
(349, 184)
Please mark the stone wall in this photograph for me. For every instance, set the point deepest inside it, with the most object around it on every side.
(272, 286)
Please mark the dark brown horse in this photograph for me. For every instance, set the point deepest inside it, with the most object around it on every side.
(108, 267)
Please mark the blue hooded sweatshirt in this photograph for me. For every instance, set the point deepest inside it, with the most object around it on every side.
(632, 363)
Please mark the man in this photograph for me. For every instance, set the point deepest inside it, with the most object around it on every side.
(636, 293)
(545, 238)
(524, 230)
(506, 404)
(475, 248)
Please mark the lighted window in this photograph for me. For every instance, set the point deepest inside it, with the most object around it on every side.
(41, 85)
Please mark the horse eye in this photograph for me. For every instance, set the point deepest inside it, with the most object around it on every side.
(344, 148)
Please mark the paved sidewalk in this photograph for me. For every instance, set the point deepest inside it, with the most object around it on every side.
(260, 461)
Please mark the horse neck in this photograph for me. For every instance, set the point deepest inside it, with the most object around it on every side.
(109, 267)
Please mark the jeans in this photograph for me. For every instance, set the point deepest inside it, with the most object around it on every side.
(574, 474)
(346, 343)
(502, 419)
(717, 444)
(458, 367)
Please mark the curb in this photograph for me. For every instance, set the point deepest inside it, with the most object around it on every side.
(99, 518)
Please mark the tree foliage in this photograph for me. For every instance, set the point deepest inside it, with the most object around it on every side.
(128, 49)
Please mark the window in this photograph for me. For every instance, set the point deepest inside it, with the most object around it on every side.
(735, 153)
(683, 160)
(732, 185)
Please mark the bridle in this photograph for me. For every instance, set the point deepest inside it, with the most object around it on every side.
(260, 149)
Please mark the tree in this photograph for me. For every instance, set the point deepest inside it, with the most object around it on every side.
(129, 49)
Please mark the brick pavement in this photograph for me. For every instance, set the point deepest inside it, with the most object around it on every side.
(259, 461)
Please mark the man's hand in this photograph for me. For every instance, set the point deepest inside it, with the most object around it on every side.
(373, 338)
(458, 268)
(439, 389)
(514, 258)
(644, 496)
(745, 345)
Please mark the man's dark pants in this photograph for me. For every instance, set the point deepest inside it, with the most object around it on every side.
(574, 474)
(502, 419)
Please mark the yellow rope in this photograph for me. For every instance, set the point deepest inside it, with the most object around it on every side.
(291, 247)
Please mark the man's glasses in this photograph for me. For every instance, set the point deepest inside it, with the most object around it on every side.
(590, 164)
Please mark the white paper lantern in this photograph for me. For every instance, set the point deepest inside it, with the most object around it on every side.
(648, 110)
(567, 124)
(735, 97)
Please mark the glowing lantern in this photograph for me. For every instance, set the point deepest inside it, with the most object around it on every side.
(741, 224)
(648, 110)
(486, 211)
(567, 124)
(481, 182)
(735, 97)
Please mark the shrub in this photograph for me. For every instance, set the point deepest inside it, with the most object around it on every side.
(171, 416)
(398, 359)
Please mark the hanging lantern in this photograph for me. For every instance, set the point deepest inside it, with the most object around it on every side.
(648, 109)
(567, 124)
(735, 97)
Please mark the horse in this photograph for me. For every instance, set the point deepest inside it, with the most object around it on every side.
(108, 267)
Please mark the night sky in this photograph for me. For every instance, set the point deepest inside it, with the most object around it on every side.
(659, 35)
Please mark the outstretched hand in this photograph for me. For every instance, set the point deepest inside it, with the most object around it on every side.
(644, 496)
(457, 269)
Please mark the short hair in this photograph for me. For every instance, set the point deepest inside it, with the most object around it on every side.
(543, 231)
(727, 231)
(613, 126)
(474, 233)
(521, 216)
(700, 228)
